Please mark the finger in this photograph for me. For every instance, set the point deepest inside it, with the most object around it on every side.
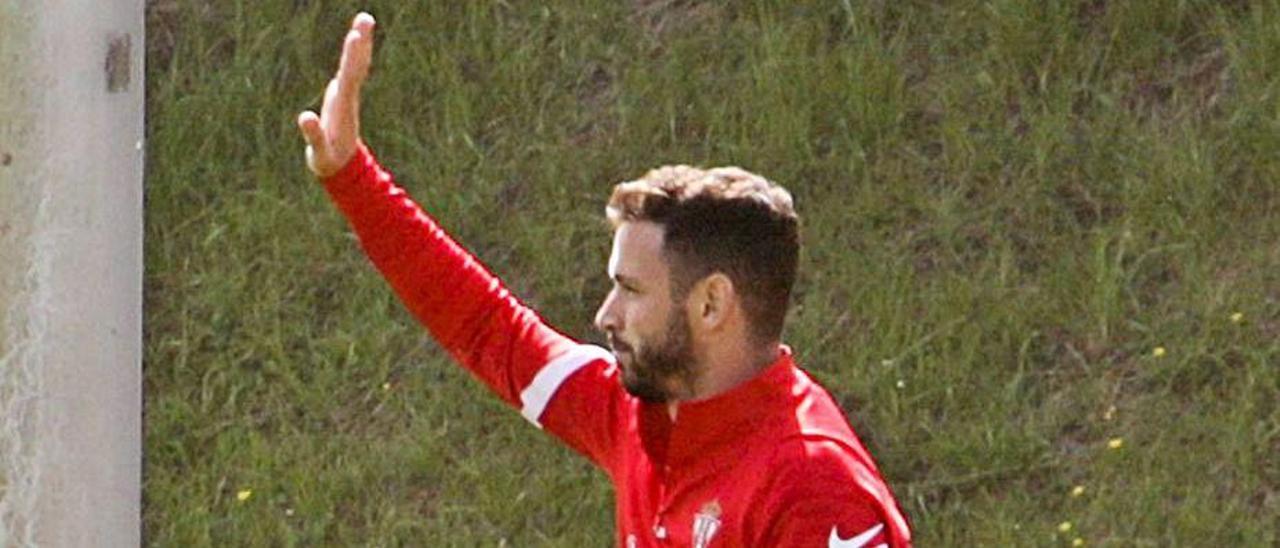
(329, 109)
(355, 62)
(357, 51)
(309, 125)
(362, 25)
(364, 22)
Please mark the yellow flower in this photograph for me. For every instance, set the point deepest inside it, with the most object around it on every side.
(1077, 542)
(1115, 443)
(244, 495)
(386, 386)
(1157, 351)
(1077, 491)
(1064, 526)
(1237, 317)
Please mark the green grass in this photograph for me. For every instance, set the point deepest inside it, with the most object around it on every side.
(1007, 206)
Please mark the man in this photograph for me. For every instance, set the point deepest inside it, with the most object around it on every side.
(711, 434)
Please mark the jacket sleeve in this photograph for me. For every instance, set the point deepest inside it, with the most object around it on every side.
(821, 495)
(473, 316)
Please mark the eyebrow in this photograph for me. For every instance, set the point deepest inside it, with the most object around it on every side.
(626, 280)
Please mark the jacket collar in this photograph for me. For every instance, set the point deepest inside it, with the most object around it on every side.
(702, 426)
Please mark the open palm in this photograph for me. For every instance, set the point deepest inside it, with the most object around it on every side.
(333, 135)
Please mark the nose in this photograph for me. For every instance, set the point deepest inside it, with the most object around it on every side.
(606, 320)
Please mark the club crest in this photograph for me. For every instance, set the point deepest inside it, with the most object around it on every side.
(706, 523)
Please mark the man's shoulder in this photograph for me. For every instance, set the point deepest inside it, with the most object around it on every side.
(811, 481)
(815, 454)
(825, 471)
(817, 414)
(819, 444)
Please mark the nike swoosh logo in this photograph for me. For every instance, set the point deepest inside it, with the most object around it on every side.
(859, 541)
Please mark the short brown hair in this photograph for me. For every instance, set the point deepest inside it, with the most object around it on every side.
(726, 220)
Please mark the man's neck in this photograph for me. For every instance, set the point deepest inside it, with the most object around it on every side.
(723, 370)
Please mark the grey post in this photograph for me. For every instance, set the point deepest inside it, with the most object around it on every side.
(71, 165)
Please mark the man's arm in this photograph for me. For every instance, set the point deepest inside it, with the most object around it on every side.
(466, 309)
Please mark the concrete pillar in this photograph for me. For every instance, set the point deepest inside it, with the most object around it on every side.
(71, 161)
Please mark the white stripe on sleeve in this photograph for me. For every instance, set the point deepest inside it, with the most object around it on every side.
(537, 395)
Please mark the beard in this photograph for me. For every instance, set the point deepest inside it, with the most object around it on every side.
(647, 373)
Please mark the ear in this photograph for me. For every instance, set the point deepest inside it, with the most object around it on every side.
(711, 301)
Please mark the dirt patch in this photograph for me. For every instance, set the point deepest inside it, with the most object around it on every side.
(163, 20)
(1086, 208)
(162, 33)
(1188, 86)
(661, 18)
(596, 93)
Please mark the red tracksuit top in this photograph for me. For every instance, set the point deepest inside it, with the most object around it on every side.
(771, 462)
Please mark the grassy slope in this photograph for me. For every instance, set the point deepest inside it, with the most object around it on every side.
(1008, 206)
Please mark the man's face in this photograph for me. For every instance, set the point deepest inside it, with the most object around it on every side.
(649, 334)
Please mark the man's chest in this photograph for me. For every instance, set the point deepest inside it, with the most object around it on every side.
(702, 502)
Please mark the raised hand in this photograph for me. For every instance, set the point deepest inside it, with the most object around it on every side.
(333, 135)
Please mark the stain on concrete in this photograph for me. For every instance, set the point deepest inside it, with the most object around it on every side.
(5, 158)
(117, 63)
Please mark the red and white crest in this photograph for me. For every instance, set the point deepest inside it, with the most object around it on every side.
(705, 524)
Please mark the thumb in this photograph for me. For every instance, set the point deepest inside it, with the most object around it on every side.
(309, 124)
(313, 133)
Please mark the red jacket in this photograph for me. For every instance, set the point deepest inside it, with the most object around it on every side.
(772, 462)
